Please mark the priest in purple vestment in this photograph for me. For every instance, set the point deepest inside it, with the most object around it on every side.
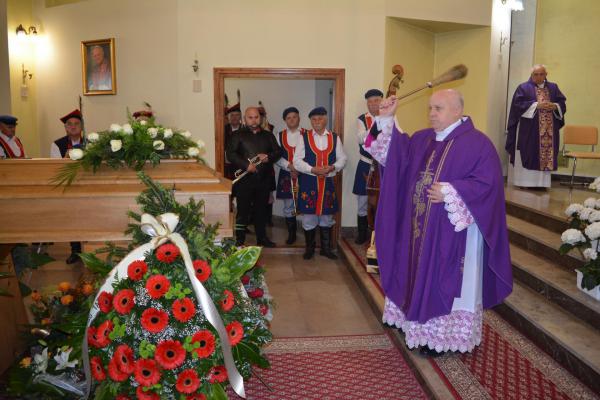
(536, 116)
(442, 241)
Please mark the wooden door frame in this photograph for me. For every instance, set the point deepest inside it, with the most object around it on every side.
(338, 75)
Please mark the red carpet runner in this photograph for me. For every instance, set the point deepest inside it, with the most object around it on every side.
(335, 367)
(505, 366)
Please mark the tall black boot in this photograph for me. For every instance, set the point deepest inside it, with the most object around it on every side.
(326, 243)
(291, 226)
(363, 225)
(309, 237)
(75, 250)
(270, 214)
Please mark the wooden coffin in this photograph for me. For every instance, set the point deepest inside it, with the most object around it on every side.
(94, 208)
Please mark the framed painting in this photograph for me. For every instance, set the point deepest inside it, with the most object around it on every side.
(98, 67)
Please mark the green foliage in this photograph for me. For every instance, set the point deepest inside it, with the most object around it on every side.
(236, 265)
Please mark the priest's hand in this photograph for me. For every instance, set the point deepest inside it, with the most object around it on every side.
(435, 193)
(387, 108)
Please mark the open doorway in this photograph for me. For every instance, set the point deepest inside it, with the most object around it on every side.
(322, 87)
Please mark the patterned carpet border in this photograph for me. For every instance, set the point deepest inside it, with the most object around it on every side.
(507, 365)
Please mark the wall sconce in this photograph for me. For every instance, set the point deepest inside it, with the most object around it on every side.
(22, 32)
(514, 5)
(503, 40)
(25, 74)
(195, 66)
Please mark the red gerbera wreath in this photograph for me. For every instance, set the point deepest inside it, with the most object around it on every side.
(169, 354)
(97, 369)
(203, 270)
(217, 374)
(228, 301)
(187, 381)
(124, 301)
(167, 253)
(105, 302)
(124, 359)
(154, 320)
(146, 372)
(157, 286)
(137, 269)
(235, 331)
(183, 309)
(114, 372)
(207, 343)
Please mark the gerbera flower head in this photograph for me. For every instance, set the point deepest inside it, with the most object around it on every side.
(105, 302)
(235, 331)
(187, 381)
(183, 309)
(195, 396)
(124, 359)
(124, 301)
(256, 293)
(137, 269)
(228, 300)
(146, 372)
(154, 320)
(157, 286)
(217, 374)
(207, 343)
(203, 270)
(114, 372)
(97, 369)
(169, 354)
(149, 395)
(245, 279)
(167, 253)
(102, 332)
(122, 397)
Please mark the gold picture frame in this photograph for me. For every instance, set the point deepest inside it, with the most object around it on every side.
(98, 67)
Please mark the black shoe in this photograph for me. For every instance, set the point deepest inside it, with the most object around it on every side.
(309, 237)
(363, 225)
(326, 243)
(265, 242)
(291, 226)
(427, 352)
(73, 258)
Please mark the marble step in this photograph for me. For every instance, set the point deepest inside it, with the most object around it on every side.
(570, 341)
(541, 241)
(554, 223)
(555, 284)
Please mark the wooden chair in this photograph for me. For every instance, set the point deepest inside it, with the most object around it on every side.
(580, 135)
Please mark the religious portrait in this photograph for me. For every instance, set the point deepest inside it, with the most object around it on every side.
(98, 67)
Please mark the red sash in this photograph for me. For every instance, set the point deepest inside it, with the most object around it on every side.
(322, 161)
(8, 150)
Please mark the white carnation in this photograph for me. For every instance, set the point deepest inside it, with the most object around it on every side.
(598, 204)
(593, 230)
(153, 132)
(596, 184)
(590, 254)
(193, 151)
(201, 143)
(186, 134)
(590, 202)
(143, 122)
(115, 145)
(584, 214)
(115, 127)
(75, 154)
(594, 216)
(93, 137)
(127, 129)
(572, 236)
(158, 145)
(167, 133)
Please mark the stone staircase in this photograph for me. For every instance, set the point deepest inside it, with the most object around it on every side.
(546, 304)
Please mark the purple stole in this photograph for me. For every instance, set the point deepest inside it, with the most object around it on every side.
(546, 131)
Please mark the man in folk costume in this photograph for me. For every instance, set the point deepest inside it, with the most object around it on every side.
(536, 116)
(73, 123)
(288, 176)
(441, 226)
(252, 191)
(233, 126)
(10, 145)
(318, 158)
(365, 122)
(60, 148)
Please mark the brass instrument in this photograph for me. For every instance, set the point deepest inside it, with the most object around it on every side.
(294, 194)
(240, 173)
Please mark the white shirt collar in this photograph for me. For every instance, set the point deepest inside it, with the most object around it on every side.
(324, 133)
(439, 136)
(541, 85)
(6, 138)
(297, 130)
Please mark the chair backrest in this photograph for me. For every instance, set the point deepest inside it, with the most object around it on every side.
(580, 134)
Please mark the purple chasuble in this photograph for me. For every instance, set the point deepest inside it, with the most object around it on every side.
(420, 255)
(535, 146)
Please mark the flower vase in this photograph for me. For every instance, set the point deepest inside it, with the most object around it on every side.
(595, 292)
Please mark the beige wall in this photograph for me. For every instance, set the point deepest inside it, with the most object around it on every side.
(4, 72)
(566, 42)
(157, 41)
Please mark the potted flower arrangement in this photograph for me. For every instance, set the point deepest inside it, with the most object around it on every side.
(133, 145)
(584, 234)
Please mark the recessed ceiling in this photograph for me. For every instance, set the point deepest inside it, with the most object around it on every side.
(437, 26)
